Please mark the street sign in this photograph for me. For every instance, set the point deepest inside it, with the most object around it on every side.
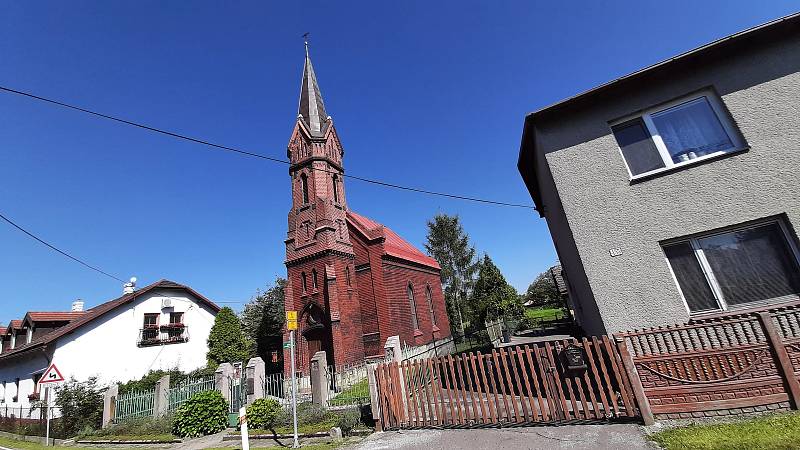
(291, 320)
(287, 345)
(51, 375)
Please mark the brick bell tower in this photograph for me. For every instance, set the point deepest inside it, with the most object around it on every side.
(319, 254)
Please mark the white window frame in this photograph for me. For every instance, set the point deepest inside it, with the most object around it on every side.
(714, 286)
(720, 112)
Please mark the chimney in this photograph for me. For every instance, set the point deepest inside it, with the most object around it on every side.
(77, 305)
(129, 287)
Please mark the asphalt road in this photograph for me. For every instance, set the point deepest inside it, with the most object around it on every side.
(616, 436)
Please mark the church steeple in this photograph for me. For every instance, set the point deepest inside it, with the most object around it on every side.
(312, 108)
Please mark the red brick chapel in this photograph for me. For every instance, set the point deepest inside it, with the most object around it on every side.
(353, 281)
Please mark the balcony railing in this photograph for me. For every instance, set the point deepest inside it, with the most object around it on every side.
(173, 333)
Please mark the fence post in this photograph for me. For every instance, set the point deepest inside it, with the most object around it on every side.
(222, 380)
(783, 362)
(375, 405)
(636, 383)
(319, 379)
(161, 400)
(109, 404)
(255, 371)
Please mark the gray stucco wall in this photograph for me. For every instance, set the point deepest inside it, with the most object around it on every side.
(580, 165)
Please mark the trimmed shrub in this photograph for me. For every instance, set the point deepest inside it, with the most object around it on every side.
(309, 413)
(205, 413)
(264, 414)
(140, 426)
(348, 420)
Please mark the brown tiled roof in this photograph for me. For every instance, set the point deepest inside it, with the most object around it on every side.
(393, 244)
(54, 316)
(2, 331)
(100, 310)
(15, 324)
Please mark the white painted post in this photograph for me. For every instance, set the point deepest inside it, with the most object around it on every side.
(47, 411)
(296, 443)
(243, 423)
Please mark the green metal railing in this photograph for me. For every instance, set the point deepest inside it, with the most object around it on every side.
(134, 404)
(179, 394)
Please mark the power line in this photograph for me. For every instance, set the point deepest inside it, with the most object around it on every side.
(255, 155)
(52, 247)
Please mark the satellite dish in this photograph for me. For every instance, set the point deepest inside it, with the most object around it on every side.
(133, 279)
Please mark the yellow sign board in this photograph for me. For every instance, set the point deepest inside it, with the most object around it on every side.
(291, 320)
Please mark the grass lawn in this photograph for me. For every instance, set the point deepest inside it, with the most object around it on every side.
(544, 314)
(25, 445)
(775, 431)
(352, 394)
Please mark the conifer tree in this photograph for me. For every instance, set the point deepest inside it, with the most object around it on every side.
(226, 341)
(262, 322)
(492, 296)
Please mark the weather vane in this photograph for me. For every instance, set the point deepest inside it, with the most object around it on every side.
(305, 39)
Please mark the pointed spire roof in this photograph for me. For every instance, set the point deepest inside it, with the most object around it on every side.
(312, 109)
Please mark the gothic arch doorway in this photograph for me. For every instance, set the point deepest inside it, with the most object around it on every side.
(317, 331)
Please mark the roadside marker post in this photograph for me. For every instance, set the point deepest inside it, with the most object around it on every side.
(51, 376)
(291, 325)
(243, 425)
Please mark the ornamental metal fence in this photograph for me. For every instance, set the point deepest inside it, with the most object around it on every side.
(134, 405)
(185, 389)
(348, 385)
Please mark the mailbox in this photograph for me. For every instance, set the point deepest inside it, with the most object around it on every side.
(574, 358)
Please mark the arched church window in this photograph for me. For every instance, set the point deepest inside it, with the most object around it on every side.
(429, 296)
(305, 281)
(304, 187)
(414, 320)
(314, 279)
(336, 188)
(347, 275)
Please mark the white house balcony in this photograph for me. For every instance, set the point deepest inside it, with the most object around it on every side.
(174, 333)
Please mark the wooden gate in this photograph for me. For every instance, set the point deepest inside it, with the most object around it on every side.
(530, 384)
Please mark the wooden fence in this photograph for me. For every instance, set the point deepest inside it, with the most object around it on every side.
(509, 386)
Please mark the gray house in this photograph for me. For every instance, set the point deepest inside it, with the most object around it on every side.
(673, 193)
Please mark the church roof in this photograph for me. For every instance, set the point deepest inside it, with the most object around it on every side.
(393, 244)
(312, 108)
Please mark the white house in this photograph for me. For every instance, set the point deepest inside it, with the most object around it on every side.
(162, 326)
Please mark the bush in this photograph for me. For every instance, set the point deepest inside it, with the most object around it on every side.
(140, 426)
(205, 413)
(264, 414)
(81, 405)
(348, 420)
(309, 413)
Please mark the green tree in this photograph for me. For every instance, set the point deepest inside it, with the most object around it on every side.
(226, 341)
(449, 245)
(80, 405)
(492, 296)
(262, 322)
(542, 291)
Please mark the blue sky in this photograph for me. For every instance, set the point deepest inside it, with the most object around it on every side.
(428, 94)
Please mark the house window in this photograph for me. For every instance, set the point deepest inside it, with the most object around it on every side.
(36, 378)
(429, 296)
(304, 187)
(15, 398)
(722, 270)
(176, 318)
(681, 132)
(304, 277)
(413, 305)
(151, 320)
(336, 188)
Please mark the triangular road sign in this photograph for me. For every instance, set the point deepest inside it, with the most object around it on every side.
(51, 375)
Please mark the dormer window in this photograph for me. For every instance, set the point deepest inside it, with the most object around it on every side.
(678, 133)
